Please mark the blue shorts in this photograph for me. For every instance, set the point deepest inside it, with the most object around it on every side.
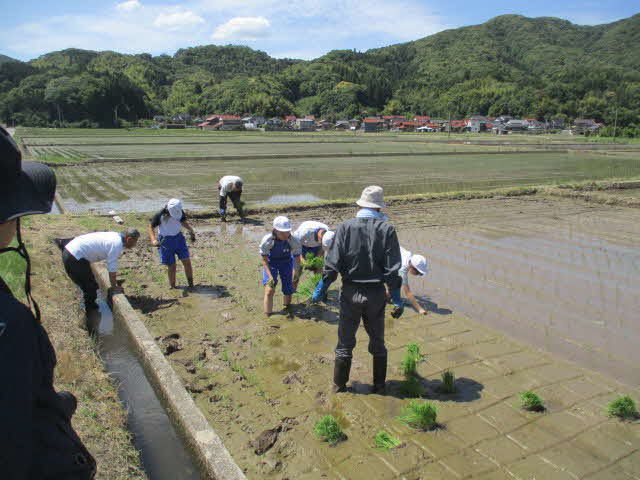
(314, 250)
(172, 246)
(285, 270)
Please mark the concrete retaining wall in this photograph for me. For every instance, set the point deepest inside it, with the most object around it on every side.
(213, 457)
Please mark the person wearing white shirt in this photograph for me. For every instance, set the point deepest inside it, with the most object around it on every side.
(79, 253)
(170, 241)
(230, 186)
(315, 238)
(414, 265)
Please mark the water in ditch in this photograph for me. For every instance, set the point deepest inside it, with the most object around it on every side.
(164, 456)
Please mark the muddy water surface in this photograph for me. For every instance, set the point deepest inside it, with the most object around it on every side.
(250, 373)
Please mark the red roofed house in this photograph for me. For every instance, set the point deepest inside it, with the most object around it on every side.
(423, 119)
(409, 126)
(371, 124)
(222, 122)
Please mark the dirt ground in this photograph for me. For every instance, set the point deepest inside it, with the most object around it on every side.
(249, 373)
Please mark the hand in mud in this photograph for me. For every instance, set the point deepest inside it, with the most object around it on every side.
(422, 311)
(397, 311)
(271, 283)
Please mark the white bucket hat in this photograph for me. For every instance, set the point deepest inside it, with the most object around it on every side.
(327, 239)
(174, 206)
(372, 197)
(419, 263)
(282, 224)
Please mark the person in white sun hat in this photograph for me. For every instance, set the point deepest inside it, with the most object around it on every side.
(170, 241)
(414, 265)
(280, 253)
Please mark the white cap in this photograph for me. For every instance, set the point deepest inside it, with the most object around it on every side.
(372, 197)
(282, 224)
(174, 206)
(327, 239)
(419, 263)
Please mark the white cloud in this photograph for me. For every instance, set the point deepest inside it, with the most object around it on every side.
(242, 28)
(128, 5)
(178, 19)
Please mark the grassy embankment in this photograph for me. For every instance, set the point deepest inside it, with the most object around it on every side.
(100, 419)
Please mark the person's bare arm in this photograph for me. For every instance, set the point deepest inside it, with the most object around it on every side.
(409, 294)
(152, 236)
(191, 231)
(113, 281)
(265, 264)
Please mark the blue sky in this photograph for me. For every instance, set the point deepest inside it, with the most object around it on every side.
(283, 28)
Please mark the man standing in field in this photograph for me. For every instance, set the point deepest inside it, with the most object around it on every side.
(366, 253)
(230, 186)
(79, 253)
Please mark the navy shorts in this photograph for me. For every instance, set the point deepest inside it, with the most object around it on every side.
(172, 246)
(314, 250)
(285, 270)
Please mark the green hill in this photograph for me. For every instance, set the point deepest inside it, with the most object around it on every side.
(4, 58)
(538, 67)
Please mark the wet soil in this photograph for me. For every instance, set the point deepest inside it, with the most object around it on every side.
(519, 265)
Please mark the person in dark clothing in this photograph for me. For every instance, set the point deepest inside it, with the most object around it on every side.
(366, 253)
(230, 186)
(37, 441)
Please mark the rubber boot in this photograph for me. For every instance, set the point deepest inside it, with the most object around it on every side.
(379, 374)
(341, 369)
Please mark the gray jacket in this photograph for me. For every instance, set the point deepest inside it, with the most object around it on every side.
(364, 250)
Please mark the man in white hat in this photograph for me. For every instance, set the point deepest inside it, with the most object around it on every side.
(366, 253)
(230, 186)
(414, 265)
(170, 241)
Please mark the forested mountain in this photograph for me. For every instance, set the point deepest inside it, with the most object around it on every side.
(540, 67)
(4, 58)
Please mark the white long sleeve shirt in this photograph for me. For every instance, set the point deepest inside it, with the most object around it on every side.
(227, 183)
(98, 246)
(306, 233)
(404, 269)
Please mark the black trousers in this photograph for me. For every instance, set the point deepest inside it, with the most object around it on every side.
(80, 272)
(235, 198)
(366, 302)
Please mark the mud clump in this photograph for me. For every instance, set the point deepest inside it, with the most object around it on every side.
(267, 439)
(292, 378)
(170, 344)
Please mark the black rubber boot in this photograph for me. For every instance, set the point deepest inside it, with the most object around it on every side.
(379, 375)
(341, 369)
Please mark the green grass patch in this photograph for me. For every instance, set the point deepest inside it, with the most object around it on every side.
(328, 429)
(448, 382)
(12, 271)
(531, 401)
(385, 441)
(624, 408)
(420, 415)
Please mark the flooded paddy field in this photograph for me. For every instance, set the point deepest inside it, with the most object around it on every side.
(521, 266)
(102, 187)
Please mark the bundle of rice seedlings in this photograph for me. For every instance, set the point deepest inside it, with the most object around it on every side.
(531, 401)
(623, 407)
(448, 382)
(385, 441)
(327, 429)
(419, 415)
(309, 286)
(411, 386)
(311, 262)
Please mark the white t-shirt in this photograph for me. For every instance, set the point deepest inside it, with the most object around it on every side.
(167, 225)
(404, 269)
(306, 233)
(227, 183)
(97, 246)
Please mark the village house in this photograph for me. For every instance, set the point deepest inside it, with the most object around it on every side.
(305, 124)
(407, 126)
(222, 122)
(515, 125)
(253, 121)
(372, 124)
(476, 123)
(582, 125)
(342, 125)
(423, 119)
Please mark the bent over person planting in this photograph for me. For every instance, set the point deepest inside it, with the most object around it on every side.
(230, 186)
(366, 253)
(280, 257)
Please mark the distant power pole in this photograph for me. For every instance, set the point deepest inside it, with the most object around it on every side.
(449, 135)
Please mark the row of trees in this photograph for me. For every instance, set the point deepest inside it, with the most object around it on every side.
(511, 65)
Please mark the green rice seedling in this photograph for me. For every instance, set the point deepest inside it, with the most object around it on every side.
(623, 407)
(414, 349)
(448, 382)
(420, 415)
(385, 441)
(411, 386)
(328, 429)
(531, 401)
(409, 366)
(311, 262)
(309, 286)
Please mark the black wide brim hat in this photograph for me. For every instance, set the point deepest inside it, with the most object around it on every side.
(25, 188)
